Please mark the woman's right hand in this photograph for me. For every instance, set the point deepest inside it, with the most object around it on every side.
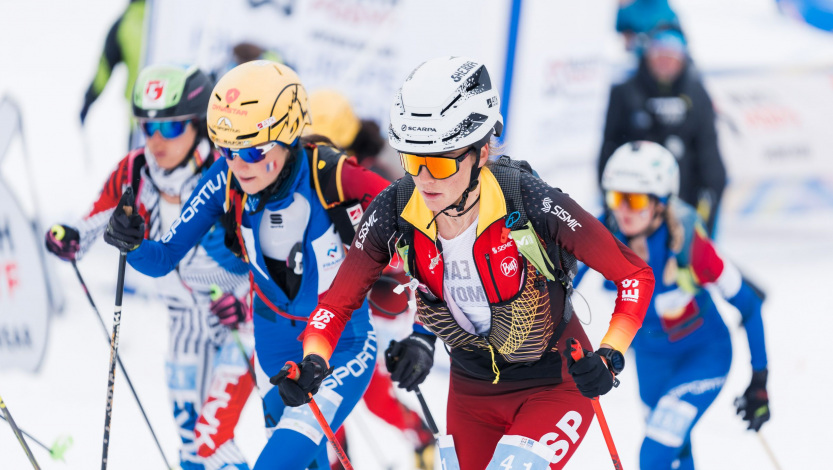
(126, 229)
(63, 242)
(409, 361)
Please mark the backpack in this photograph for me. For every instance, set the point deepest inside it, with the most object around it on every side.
(508, 173)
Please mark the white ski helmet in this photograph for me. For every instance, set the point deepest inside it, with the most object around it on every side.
(642, 167)
(445, 104)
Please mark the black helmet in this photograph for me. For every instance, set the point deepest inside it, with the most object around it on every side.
(165, 92)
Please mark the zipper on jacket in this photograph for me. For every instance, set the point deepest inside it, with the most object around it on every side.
(492, 275)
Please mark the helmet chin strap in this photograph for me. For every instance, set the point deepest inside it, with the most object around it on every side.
(460, 207)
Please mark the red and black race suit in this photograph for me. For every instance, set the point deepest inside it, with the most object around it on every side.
(557, 220)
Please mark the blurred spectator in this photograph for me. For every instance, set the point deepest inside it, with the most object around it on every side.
(246, 52)
(665, 102)
(123, 44)
(333, 116)
(637, 18)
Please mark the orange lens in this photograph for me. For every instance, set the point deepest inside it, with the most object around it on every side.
(636, 201)
(439, 167)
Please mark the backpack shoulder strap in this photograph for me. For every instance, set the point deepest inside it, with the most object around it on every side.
(508, 174)
(327, 164)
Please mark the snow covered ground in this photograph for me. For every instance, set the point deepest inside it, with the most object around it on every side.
(48, 55)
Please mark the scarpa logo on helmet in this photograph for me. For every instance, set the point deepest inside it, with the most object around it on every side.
(420, 129)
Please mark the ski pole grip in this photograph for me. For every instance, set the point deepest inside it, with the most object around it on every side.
(58, 232)
(292, 372)
(216, 292)
(575, 349)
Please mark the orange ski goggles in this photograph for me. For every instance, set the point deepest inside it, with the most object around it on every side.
(440, 167)
(636, 201)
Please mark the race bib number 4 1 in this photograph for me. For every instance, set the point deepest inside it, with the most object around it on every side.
(520, 453)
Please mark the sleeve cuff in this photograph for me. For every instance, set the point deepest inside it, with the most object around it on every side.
(317, 344)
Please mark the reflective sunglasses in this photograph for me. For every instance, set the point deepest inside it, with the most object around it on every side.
(248, 154)
(636, 201)
(439, 166)
(167, 129)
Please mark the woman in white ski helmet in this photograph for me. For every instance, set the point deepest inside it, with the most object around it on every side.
(492, 249)
(683, 349)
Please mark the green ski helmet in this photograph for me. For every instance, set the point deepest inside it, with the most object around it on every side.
(169, 92)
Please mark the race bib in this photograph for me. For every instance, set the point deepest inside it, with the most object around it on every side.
(448, 455)
(300, 418)
(520, 453)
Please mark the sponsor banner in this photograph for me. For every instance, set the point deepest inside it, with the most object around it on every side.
(24, 295)
(774, 124)
(772, 130)
(363, 48)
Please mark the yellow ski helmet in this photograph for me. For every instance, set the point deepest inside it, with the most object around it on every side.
(334, 117)
(257, 102)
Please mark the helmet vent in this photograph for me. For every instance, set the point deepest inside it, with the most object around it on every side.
(218, 97)
(452, 136)
(248, 102)
(450, 104)
(421, 114)
(247, 136)
(424, 142)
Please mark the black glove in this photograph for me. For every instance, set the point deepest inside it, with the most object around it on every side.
(123, 231)
(63, 242)
(409, 361)
(590, 373)
(753, 405)
(312, 371)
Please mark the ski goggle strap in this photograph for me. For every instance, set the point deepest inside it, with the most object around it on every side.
(636, 201)
(167, 129)
(440, 167)
(248, 154)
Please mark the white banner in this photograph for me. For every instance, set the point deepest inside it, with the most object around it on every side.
(559, 90)
(24, 294)
(774, 124)
(363, 48)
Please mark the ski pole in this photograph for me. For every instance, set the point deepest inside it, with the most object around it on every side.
(425, 411)
(216, 292)
(768, 451)
(114, 346)
(577, 353)
(294, 373)
(58, 449)
(19, 435)
(118, 359)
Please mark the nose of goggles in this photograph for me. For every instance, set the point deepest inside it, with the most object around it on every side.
(167, 129)
(248, 154)
(636, 201)
(440, 167)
